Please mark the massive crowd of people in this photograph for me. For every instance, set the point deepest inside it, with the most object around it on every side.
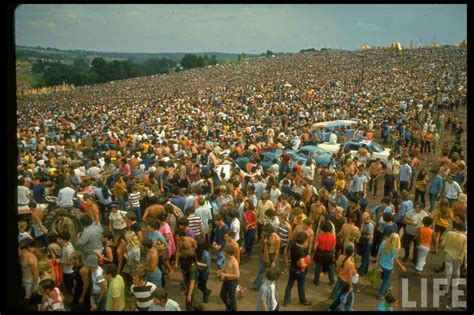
(136, 199)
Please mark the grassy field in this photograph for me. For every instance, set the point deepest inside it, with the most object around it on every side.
(24, 77)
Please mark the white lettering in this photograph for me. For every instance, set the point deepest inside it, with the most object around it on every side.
(436, 291)
(405, 302)
(424, 292)
(456, 293)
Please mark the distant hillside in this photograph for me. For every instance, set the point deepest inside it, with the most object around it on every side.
(63, 55)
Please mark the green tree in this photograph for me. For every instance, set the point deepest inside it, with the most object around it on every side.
(99, 66)
(38, 66)
(189, 61)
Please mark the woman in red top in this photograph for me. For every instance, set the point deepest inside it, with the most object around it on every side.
(324, 247)
(249, 220)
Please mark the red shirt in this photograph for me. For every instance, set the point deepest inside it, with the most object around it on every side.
(326, 241)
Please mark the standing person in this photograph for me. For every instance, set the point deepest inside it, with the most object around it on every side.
(345, 269)
(455, 248)
(285, 234)
(150, 265)
(161, 303)
(191, 277)
(82, 288)
(90, 241)
(268, 295)
(116, 289)
(406, 206)
(375, 173)
(442, 216)
(262, 206)
(425, 234)
(249, 221)
(204, 212)
(388, 254)
(405, 175)
(230, 275)
(421, 184)
(451, 190)
(365, 242)
(117, 220)
(219, 240)
(324, 251)
(413, 221)
(389, 183)
(271, 249)
(29, 268)
(98, 283)
(66, 260)
(141, 292)
(165, 230)
(204, 264)
(300, 261)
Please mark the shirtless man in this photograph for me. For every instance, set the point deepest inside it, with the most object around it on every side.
(229, 239)
(271, 250)
(38, 227)
(349, 233)
(29, 267)
(305, 227)
(185, 246)
(375, 174)
(93, 209)
(153, 210)
(317, 210)
(230, 274)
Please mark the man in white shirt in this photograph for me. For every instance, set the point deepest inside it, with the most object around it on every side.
(451, 190)
(66, 196)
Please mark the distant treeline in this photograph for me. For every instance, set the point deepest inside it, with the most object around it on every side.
(100, 71)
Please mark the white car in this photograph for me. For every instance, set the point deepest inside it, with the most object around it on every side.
(375, 149)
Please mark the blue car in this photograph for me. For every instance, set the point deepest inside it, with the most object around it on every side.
(309, 151)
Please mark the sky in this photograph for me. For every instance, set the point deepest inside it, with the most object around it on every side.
(249, 28)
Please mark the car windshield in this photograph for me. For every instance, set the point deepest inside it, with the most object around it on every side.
(375, 147)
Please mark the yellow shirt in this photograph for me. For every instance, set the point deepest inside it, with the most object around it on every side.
(116, 289)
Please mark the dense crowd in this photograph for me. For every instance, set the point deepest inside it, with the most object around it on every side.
(131, 168)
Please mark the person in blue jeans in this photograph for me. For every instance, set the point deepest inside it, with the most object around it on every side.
(219, 241)
(230, 275)
(271, 244)
(300, 261)
(204, 264)
(365, 242)
(434, 188)
(388, 254)
(345, 269)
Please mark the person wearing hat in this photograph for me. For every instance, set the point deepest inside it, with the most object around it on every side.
(99, 284)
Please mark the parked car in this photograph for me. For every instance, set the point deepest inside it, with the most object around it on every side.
(375, 149)
(306, 152)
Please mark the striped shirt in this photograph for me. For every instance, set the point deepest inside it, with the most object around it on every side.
(134, 199)
(283, 233)
(195, 224)
(143, 295)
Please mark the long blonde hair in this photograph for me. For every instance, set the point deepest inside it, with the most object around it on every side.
(393, 243)
(132, 240)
